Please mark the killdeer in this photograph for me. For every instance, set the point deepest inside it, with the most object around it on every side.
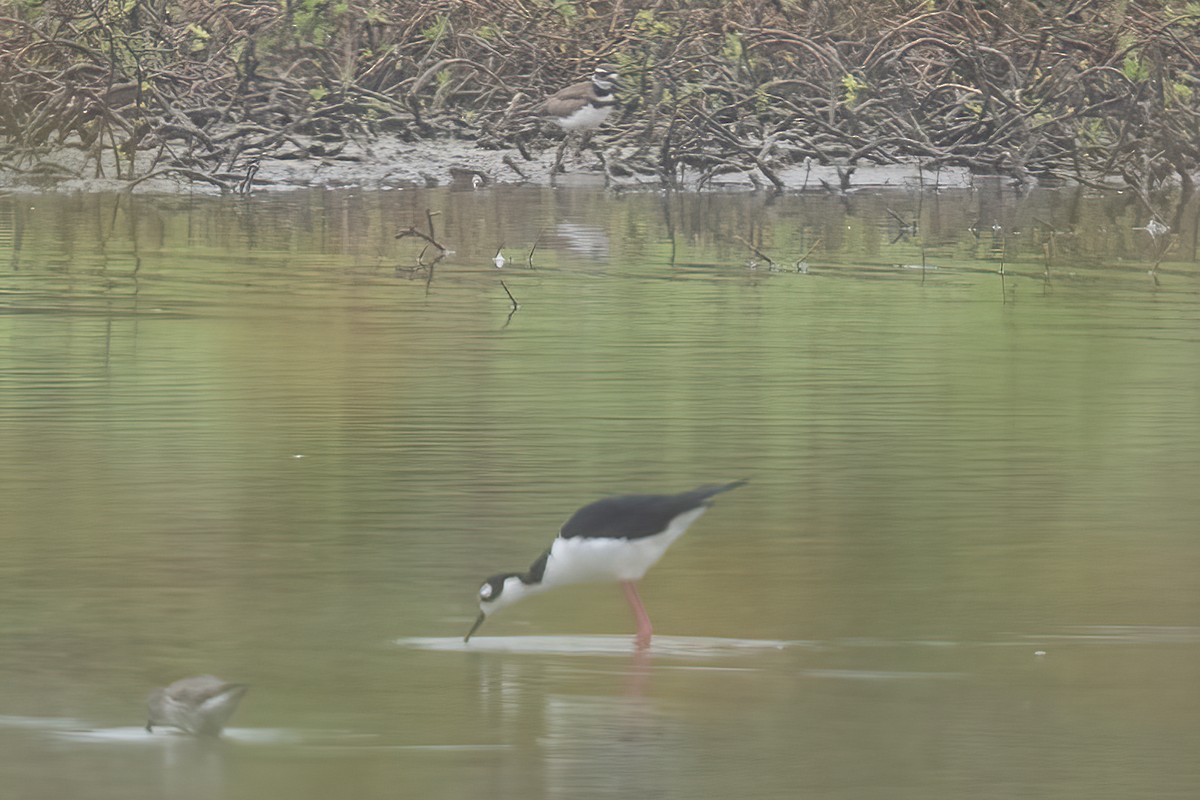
(199, 705)
(581, 106)
(614, 539)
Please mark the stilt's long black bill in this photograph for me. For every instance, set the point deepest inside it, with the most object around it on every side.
(475, 627)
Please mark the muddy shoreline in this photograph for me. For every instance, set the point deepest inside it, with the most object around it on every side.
(389, 163)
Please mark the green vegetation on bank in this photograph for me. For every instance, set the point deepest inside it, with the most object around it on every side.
(1090, 91)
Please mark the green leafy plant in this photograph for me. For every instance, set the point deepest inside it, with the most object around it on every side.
(645, 22)
(313, 21)
(733, 49)
(566, 9)
(1134, 68)
(852, 87)
(437, 29)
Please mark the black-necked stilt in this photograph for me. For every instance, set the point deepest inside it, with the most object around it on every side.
(582, 106)
(198, 705)
(614, 539)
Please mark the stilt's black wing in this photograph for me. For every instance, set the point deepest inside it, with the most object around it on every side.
(634, 516)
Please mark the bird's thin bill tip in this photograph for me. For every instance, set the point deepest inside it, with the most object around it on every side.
(478, 621)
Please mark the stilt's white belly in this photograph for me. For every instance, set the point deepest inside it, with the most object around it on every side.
(582, 560)
(586, 117)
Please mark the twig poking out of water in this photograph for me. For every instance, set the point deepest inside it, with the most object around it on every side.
(424, 236)
(511, 299)
(801, 263)
(1163, 247)
(1003, 290)
(421, 259)
(411, 272)
(248, 182)
(754, 249)
(906, 229)
(534, 248)
(899, 219)
(1049, 245)
(428, 238)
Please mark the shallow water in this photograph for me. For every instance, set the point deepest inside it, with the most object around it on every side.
(256, 438)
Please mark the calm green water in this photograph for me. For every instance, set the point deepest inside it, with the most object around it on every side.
(254, 438)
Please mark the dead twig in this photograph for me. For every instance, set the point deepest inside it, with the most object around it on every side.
(801, 263)
(533, 249)
(420, 235)
(513, 300)
(754, 249)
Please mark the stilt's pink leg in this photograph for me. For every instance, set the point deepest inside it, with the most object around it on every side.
(645, 630)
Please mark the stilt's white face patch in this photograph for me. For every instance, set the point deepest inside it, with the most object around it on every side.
(495, 595)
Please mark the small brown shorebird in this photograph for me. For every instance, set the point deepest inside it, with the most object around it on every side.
(614, 539)
(584, 105)
(198, 705)
(581, 106)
